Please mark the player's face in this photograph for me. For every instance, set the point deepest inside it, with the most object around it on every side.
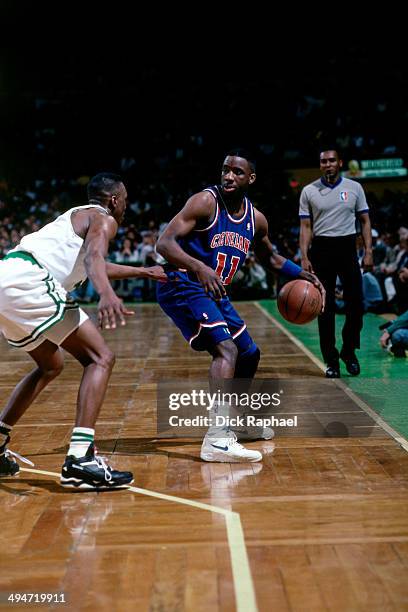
(236, 175)
(330, 164)
(119, 200)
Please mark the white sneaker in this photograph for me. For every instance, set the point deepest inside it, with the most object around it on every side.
(227, 450)
(254, 433)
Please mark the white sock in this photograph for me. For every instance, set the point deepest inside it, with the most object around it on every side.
(219, 430)
(81, 438)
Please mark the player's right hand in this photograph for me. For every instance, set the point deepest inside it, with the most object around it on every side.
(211, 282)
(111, 309)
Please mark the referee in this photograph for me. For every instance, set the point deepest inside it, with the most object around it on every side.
(328, 211)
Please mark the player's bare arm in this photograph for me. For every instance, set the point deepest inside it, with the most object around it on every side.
(120, 271)
(270, 259)
(101, 229)
(80, 222)
(197, 213)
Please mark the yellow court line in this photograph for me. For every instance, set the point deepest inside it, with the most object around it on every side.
(403, 442)
(241, 572)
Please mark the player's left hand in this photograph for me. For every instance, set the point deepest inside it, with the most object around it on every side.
(156, 273)
(315, 281)
(368, 263)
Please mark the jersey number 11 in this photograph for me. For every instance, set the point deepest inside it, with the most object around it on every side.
(221, 261)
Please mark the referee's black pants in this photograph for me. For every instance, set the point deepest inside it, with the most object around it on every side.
(332, 257)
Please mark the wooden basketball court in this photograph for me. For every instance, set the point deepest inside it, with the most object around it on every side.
(320, 524)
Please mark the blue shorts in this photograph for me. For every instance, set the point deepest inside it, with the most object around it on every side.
(203, 321)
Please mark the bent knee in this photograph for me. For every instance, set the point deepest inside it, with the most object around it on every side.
(106, 359)
(53, 371)
(227, 350)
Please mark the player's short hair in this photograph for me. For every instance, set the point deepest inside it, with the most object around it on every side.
(330, 147)
(245, 154)
(103, 184)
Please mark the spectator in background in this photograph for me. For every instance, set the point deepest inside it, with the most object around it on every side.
(147, 250)
(373, 300)
(128, 253)
(256, 274)
(401, 278)
(250, 282)
(395, 336)
(149, 257)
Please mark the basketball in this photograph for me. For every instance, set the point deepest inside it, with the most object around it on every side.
(299, 301)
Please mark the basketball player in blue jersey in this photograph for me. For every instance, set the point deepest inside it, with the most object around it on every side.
(207, 242)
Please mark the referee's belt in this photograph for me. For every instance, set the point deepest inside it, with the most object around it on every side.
(345, 238)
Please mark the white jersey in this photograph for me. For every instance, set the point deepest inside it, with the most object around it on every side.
(59, 249)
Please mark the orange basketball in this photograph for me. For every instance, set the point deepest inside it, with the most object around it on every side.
(299, 301)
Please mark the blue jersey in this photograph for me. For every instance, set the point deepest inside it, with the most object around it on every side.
(224, 244)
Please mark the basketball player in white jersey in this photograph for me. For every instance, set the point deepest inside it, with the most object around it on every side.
(37, 315)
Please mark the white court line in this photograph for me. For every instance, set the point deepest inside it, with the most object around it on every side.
(357, 400)
(243, 584)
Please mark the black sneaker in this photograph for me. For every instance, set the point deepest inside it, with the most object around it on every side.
(351, 361)
(8, 465)
(91, 472)
(333, 370)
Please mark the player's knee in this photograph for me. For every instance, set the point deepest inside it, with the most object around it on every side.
(255, 356)
(228, 351)
(247, 362)
(106, 359)
(53, 370)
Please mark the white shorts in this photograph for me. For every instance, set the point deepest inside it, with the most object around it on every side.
(33, 305)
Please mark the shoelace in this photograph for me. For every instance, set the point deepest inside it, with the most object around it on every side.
(233, 440)
(10, 453)
(101, 462)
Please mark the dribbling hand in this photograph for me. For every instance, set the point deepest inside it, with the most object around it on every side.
(315, 281)
(307, 265)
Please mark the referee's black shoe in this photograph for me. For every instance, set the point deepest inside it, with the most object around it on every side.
(333, 370)
(351, 361)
